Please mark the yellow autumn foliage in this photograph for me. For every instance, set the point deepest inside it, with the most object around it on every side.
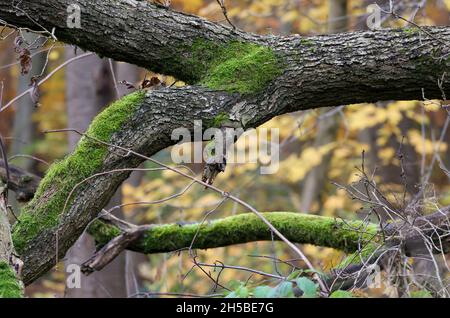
(422, 145)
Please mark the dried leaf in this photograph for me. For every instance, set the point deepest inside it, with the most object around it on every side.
(34, 93)
(150, 83)
(25, 61)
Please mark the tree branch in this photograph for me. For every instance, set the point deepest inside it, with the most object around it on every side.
(300, 228)
(361, 239)
(238, 229)
(315, 71)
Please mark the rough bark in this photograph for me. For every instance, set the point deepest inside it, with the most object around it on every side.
(312, 72)
(318, 71)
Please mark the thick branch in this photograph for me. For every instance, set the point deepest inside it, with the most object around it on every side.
(347, 236)
(115, 235)
(10, 265)
(238, 229)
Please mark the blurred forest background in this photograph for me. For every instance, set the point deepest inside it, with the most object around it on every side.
(319, 150)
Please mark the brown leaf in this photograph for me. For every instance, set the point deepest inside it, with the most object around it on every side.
(150, 83)
(25, 60)
(34, 93)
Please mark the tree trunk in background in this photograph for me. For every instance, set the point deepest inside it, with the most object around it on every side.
(89, 88)
(132, 74)
(327, 127)
(337, 16)
(23, 126)
(23, 131)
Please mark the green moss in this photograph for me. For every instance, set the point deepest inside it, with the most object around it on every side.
(220, 119)
(366, 253)
(9, 285)
(306, 42)
(62, 176)
(421, 294)
(299, 228)
(235, 66)
(103, 232)
(217, 121)
(410, 31)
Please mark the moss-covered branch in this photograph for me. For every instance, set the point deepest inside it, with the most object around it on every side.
(387, 63)
(364, 240)
(243, 228)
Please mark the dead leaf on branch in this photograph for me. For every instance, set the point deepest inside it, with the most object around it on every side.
(214, 165)
(24, 56)
(34, 93)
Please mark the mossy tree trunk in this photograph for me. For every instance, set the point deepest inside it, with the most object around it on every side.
(249, 78)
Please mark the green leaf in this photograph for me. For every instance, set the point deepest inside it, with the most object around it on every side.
(283, 290)
(308, 287)
(240, 292)
(263, 292)
(295, 274)
(231, 295)
(234, 284)
(341, 294)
